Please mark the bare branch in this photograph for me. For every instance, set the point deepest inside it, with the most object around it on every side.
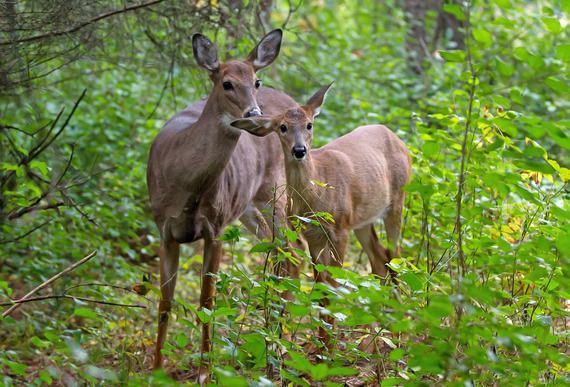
(80, 25)
(27, 210)
(46, 283)
(24, 235)
(55, 296)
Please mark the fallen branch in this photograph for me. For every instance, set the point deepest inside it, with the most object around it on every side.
(57, 276)
(41, 298)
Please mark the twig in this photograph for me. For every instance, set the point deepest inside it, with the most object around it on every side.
(97, 284)
(51, 140)
(24, 235)
(52, 279)
(127, 289)
(26, 210)
(55, 296)
(26, 159)
(80, 25)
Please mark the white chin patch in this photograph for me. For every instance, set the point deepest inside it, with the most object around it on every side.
(293, 158)
(225, 122)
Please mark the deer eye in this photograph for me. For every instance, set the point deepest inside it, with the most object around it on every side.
(310, 125)
(283, 128)
(257, 84)
(227, 86)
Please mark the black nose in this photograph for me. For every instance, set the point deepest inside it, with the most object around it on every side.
(299, 151)
(253, 113)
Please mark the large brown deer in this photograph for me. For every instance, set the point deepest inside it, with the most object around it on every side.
(203, 174)
(356, 178)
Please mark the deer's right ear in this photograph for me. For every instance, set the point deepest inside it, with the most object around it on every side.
(205, 52)
(266, 51)
(258, 126)
(314, 104)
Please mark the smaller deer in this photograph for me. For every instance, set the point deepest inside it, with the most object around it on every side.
(356, 178)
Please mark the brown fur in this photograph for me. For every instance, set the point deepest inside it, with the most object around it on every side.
(203, 174)
(363, 173)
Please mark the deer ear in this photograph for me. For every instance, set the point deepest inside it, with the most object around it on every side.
(258, 126)
(313, 105)
(266, 51)
(205, 52)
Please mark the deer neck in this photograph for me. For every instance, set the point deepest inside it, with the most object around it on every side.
(213, 141)
(300, 175)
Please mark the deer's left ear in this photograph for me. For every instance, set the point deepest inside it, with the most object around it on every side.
(258, 126)
(314, 104)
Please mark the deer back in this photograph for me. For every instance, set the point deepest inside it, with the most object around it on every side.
(361, 171)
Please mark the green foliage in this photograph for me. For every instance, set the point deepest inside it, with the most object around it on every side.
(483, 279)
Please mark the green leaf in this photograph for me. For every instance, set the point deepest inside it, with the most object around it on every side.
(483, 37)
(557, 84)
(425, 190)
(454, 9)
(262, 247)
(503, 68)
(506, 126)
(204, 315)
(4, 285)
(298, 310)
(17, 368)
(389, 382)
(41, 166)
(46, 377)
(397, 354)
(498, 143)
(412, 280)
(84, 312)
(453, 56)
(224, 311)
(291, 235)
(182, 339)
(231, 233)
(552, 24)
(565, 5)
(299, 362)
(39, 343)
(503, 21)
(342, 371)
(563, 52)
(430, 149)
(559, 212)
(319, 371)
(544, 320)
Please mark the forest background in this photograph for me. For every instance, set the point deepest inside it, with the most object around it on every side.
(478, 91)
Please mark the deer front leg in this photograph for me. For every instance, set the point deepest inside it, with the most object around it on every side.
(212, 258)
(169, 257)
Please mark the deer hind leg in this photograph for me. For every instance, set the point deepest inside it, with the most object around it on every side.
(211, 264)
(329, 252)
(255, 222)
(169, 257)
(393, 223)
(378, 255)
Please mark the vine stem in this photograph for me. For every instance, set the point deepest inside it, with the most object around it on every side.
(459, 200)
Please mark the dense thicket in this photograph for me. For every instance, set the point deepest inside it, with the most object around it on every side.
(477, 90)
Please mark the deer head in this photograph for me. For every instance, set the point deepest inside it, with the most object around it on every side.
(294, 126)
(236, 82)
